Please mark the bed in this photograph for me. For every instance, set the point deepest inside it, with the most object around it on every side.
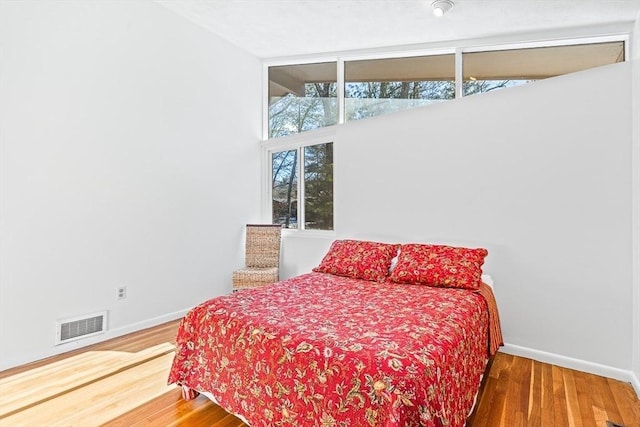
(362, 340)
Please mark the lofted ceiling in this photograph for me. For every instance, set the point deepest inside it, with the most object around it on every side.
(276, 28)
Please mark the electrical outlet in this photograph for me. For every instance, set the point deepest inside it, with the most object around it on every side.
(122, 292)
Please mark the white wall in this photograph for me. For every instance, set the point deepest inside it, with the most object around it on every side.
(635, 56)
(538, 174)
(129, 156)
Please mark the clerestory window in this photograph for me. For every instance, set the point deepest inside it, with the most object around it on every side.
(490, 70)
(302, 98)
(381, 86)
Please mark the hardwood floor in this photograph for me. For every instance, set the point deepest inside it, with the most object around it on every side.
(524, 392)
(517, 392)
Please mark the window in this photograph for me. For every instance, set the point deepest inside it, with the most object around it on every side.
(312, 96)
(316, 213)
(304, 97)
(490, 70)
(380, 86)
(284, 188)
(301, 98)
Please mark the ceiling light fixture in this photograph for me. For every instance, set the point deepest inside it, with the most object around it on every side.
(440, 7)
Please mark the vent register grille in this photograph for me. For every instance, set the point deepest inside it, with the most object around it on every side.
(73, 329)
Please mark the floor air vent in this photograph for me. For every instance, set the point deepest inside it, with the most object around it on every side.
(75, 328)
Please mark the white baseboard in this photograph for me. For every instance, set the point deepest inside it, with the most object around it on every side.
(148, 323)
(571, 363)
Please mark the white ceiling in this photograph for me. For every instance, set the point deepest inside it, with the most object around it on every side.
(275, 28)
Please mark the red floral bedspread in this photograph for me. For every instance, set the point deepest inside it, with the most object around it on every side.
(323, 350)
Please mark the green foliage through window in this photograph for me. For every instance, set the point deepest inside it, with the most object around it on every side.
(317, 187)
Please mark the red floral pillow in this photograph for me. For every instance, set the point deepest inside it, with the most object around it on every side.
(438, 265)
(359, 259)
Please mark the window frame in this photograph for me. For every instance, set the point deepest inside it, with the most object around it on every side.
(399, 52)
(392, 55)
(265, 92)
(532, 45)
(296, 142)
(328, 133)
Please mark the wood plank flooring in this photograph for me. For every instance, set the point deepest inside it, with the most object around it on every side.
(32, 390)
(517, 392)
(94, 403)
(524, 392)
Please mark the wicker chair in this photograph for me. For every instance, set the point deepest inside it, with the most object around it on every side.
(262, 257)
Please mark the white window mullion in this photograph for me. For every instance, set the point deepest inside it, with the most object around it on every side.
(267, 189)
(300, 172)
(340, 92)
(458, 73)
(265, 103)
